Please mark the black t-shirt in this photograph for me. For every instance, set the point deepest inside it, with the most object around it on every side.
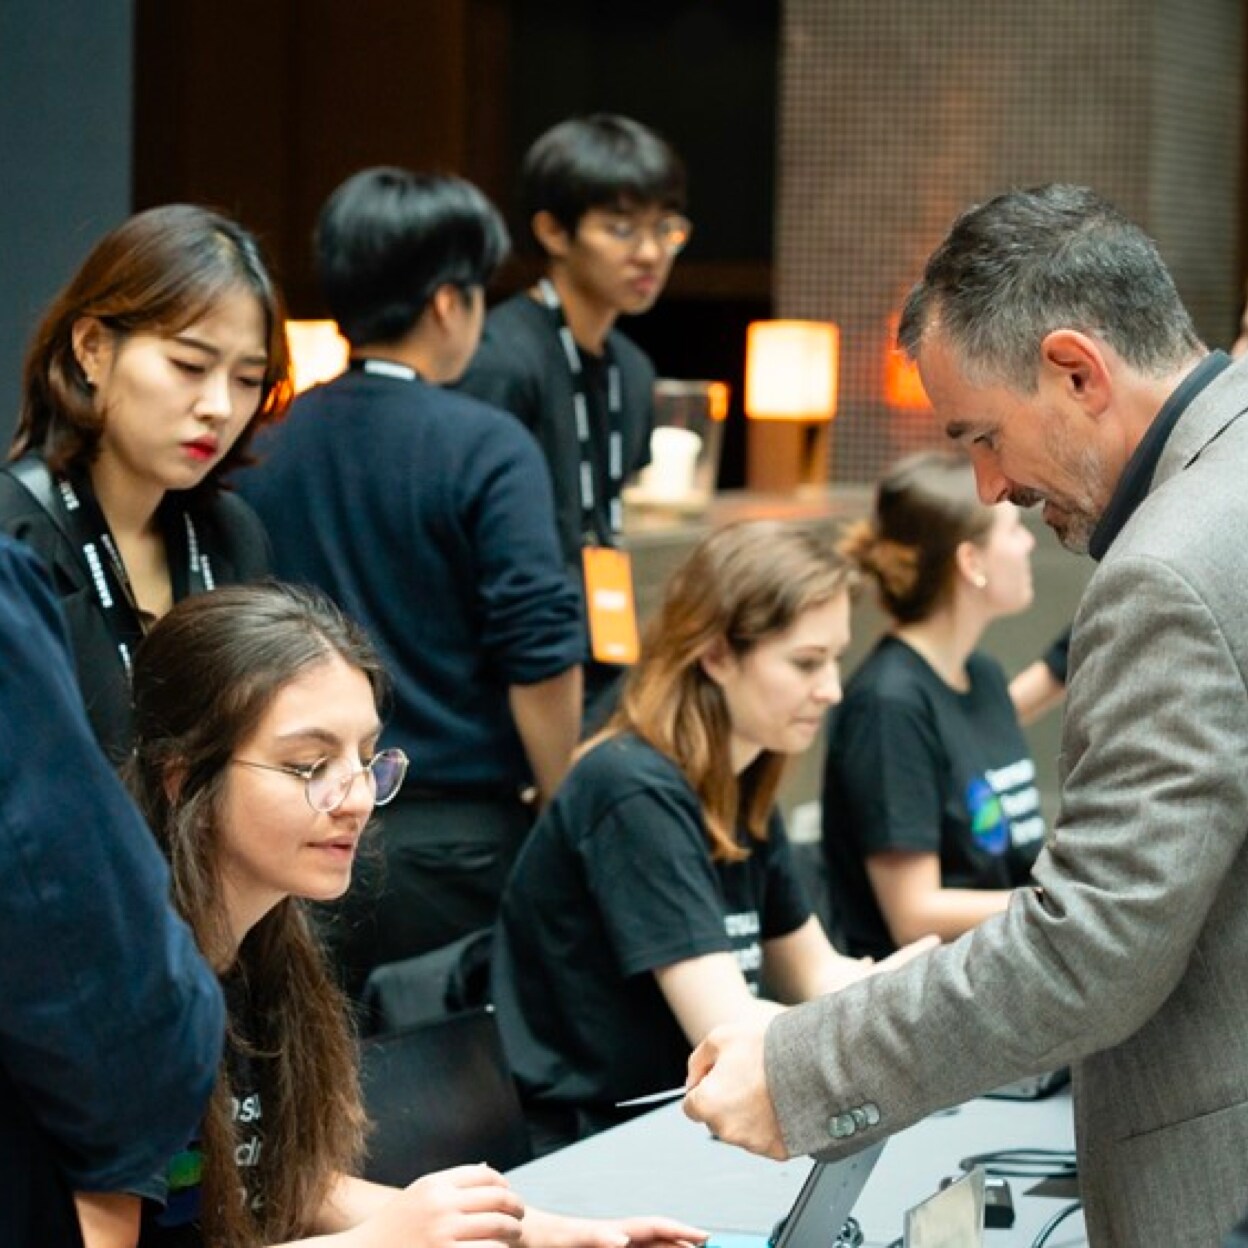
(915, 765)
(172, 1204)
(520, 366)
(615, 881)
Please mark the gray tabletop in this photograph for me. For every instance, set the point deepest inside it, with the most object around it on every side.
(663, 1163)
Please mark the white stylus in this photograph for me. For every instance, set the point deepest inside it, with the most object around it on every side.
(653, 1098)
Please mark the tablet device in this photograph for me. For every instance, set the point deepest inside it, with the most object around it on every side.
(825, 1202)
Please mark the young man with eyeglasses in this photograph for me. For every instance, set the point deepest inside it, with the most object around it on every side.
(428, 517)
(604, 197)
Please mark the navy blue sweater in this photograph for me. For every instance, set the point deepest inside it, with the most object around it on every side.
(110, 1021)
(428, 517)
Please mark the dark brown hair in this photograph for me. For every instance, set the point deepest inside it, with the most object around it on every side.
(203, 679)
(156, 273)
(925, 508)
(743, 584)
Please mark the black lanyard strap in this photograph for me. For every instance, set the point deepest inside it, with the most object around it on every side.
(584, 431)
(72, 506)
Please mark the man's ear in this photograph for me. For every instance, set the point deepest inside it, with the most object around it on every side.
(444, 302)
(93, 346)
(550, 234)
(1076, 364)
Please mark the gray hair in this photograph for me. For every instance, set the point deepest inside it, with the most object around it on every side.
(1028, 262)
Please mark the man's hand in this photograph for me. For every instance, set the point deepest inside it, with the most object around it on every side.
(728, 1089)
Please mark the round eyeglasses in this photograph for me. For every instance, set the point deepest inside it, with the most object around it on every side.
(327, 782)
(671, 232)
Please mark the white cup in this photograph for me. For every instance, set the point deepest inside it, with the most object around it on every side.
(673, 459)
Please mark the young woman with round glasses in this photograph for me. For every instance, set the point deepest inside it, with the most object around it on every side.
(142, 386)
(256, 763)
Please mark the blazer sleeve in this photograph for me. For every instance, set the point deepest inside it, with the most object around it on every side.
(111, 1026)
(1152, 822)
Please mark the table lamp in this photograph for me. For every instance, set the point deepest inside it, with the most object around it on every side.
(791, 372)
(318, 352)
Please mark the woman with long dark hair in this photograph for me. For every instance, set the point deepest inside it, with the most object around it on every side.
(143, 385)
(256, 762)
(657, 896)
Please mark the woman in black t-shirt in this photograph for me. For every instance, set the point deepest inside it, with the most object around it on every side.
(656, 897)
(931, 814)
(257, 764)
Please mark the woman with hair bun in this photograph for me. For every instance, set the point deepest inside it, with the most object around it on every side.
(930, 810)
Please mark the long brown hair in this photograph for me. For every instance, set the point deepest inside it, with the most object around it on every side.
(203, 679)
(157, 272)
(925, 508)
(743, 584)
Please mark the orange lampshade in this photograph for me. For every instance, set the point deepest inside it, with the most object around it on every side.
(318, 352)
(791, 370)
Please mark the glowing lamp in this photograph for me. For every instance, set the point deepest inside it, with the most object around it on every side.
(791, 375)
(318, 352)
(903, 387)
(791, 370)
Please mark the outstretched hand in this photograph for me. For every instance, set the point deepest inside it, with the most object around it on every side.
(465, 1205)
(553, 1230)
(728, 1089)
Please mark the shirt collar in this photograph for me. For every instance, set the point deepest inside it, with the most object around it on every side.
(1137, 477)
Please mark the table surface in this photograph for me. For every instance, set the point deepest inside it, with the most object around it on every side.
(663, 1163)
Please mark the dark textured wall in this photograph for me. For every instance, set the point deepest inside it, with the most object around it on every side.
(896, 116)
(65, 69)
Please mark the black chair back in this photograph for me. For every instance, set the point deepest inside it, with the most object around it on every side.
(440, 1095)
(402, 994)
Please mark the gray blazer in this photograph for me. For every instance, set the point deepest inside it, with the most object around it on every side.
(1129, 959)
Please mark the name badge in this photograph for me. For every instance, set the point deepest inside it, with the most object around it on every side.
(610, 604)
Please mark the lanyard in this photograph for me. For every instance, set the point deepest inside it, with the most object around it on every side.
(87, 526)
(584, 438)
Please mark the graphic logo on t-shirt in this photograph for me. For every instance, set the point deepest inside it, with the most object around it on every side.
(743, 930)
(989, 826)
(1004, 807)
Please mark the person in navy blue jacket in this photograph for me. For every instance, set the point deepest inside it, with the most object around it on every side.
(429, 518)
(111, 1024)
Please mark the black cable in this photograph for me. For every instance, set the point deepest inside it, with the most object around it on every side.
(1053, 1223)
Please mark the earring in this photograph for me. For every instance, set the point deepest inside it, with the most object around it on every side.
(980, 581)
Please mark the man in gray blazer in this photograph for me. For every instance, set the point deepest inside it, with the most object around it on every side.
(1055, 350)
